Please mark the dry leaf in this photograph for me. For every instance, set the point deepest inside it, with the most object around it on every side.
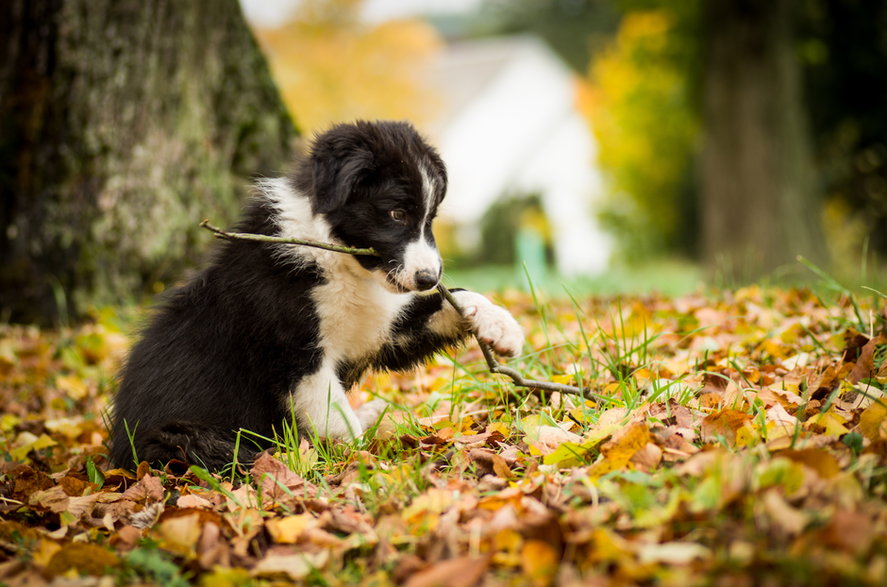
(456, 572)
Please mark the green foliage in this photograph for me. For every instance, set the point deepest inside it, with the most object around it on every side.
(843, 49)
(641, 109)
(155, 565)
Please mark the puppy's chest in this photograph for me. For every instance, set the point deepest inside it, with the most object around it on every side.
(356, 317)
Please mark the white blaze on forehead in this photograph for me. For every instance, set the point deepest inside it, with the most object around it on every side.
(429, 188)
(420, 254)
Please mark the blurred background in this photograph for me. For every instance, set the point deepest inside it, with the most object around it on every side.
(608, 145)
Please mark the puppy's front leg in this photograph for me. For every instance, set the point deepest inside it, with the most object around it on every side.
(320, 405)
(492, 324)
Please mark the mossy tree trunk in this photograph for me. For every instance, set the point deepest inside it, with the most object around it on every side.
(760, 206)
(122, 124)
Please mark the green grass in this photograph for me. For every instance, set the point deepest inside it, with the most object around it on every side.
(670, 277)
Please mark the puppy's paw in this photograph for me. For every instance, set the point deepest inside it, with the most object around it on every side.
(491, 323)
(369, 413)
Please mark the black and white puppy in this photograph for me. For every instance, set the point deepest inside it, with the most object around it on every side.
(268, 330)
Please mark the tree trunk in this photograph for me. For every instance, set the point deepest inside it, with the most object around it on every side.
(123, 123)
(760, 208)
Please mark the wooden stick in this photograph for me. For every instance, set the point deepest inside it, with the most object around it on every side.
(246, 236)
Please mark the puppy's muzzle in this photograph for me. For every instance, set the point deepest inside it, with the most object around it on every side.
(426, 279)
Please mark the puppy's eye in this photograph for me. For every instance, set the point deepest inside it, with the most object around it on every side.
(398, 215)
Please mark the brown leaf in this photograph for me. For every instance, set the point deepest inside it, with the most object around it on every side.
(147, 490)
(272, 474)
(723, 424)
(74, 486)
(647, 458)
(28, 481)
(213, 550)
(865, 364)
(463, 571)
(850, 531)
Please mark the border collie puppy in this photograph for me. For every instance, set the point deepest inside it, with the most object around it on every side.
(268, 331)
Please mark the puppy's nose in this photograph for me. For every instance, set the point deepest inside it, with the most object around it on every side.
(426, 279)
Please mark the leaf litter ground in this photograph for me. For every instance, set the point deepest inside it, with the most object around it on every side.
(735, 438)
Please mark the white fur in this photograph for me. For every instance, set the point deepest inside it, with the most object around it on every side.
(355, 307)
(491, 323)
(419, 256)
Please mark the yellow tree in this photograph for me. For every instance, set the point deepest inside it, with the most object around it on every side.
(332, 67)
(637, 101)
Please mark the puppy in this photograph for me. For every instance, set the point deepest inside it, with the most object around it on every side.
(269, 331)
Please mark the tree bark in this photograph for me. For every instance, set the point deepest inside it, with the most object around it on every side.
(122, 124)
(760, 206)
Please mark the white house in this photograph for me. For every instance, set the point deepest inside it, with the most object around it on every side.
(508, 124)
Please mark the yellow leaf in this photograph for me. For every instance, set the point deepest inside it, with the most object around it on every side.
(427, 507)
(73, 386)
(821, 461)
(507, 546)
(179, 535)
(225, 577)
(539, 561)
(26, 442)
(829, 422)
(88, 559)
(618, 451)
(501, 427)
(747, 435)
(44, 552)
(68, 427)
(8, 422)
(289, 529)
(873, 421)
(565, 379)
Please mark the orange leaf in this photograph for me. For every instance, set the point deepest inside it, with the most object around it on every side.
(539, 561)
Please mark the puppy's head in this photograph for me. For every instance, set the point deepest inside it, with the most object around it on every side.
(378, 184)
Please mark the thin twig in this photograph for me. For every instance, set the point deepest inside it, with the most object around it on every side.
(246, 236)
(492, 363)
(500, 369)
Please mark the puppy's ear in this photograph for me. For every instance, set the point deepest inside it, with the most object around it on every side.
(338, 166)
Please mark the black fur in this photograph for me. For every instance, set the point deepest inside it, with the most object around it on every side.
(223, 351)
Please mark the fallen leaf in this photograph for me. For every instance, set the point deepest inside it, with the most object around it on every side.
(617, 452)
(294, 567)
(782, 515)
(289, 529)
(873, 421)
(675, 553)
(463, 571)
(88, 559)
(180, 534)
(539, 560)
(723, 424)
